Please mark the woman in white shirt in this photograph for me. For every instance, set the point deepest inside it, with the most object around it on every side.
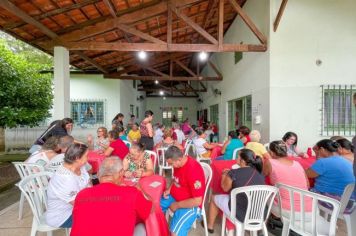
(48, 151)
(202, 146)
(69, 179)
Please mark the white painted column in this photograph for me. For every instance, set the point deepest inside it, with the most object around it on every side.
(61, 102)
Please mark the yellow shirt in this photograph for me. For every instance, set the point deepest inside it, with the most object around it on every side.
(257, 148)
(134, 135)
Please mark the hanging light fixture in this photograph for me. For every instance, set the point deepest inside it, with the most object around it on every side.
(203, 56)
(142, 55)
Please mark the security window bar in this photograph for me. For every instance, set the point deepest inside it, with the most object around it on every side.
(88, 113)
(338, 114)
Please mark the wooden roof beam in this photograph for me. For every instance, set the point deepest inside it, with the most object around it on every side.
(159, 78)
(169, 90)
(110, 24)
(25, 17)
(194, 25)
(279, 15)
(215, 69)
(248, 22)
(116, 46)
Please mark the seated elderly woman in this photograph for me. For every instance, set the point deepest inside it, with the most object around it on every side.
(101, 142)
(291, 140)
(332, 172)
(202, 146)
(137, 163)
(48, 151)
(134, 135)
(256, 146)
(69, 179)
(282, 169)
(168, 140)
(346, 149)
(248, 174)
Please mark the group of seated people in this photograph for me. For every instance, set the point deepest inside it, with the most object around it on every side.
(73, 201)
(332, 172)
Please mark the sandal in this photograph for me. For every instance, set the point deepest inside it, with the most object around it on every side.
(211, 231)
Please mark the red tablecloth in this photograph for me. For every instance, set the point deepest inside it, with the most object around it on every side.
(216, 152)
(95, 159)
(156, 224)
(217, 168)
(306, 163)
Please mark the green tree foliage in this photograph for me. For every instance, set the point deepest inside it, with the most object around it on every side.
(25, 94)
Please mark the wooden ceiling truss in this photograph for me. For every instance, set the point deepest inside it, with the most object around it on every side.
(104, 35)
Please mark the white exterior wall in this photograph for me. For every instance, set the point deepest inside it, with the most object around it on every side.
(118, 96)
(250, 76)
(128, 96)
(155, 105)
(309, 30)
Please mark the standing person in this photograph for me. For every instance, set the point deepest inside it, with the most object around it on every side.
(215, 129)
(158, 133)
(69, 179)
(186, 128)
(147, 131)
(118, 120)
(185, 195)
(57, 128)
(96, 209)
(178, 134)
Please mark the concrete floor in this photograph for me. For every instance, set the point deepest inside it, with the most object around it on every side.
(11, 226)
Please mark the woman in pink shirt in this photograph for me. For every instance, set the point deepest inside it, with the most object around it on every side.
(282, 169)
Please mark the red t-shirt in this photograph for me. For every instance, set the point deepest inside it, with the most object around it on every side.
(108, 209)
(215, 129)
(189, 181)
(120, 149)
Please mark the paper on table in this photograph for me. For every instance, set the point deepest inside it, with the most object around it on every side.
(155, 184)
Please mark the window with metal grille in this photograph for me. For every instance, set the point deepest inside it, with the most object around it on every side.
(338, 115)
(132, 108)
(214, 113)
(180, 115)
(87, 113)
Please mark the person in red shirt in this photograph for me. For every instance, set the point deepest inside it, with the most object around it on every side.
(117, 147)
(185, 196)
(109, 209)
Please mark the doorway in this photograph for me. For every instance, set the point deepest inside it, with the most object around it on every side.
(239, 113)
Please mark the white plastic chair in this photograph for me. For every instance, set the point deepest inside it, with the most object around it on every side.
(308, 223)
(162, 163)
(203, 159)
(152, 153)
(190, 148)
(25, 169)
(347, 216)
(187, 142)
(259, 197)
(34, 188)
(208, 174)
(235, 153)
(127, 143)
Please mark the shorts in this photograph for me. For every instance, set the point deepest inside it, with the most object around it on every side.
(183, 218)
